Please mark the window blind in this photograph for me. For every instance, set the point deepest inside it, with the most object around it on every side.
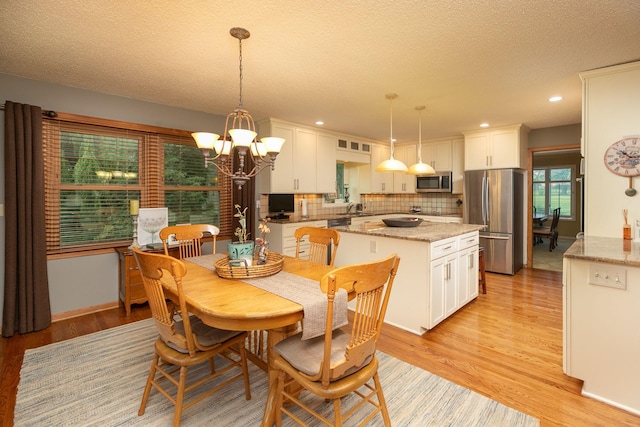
(93, 167)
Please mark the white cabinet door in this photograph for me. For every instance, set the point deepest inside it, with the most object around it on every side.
(467, 267)
(304, 161)
(451, 285)
(438, 155)
(504, 149)
(282, 175)
(437, 291)
(467, 275)
(476, 155)
(404, 182)
(457, 165)
(496, 149)
(381, 182)
(443, 293)
(326, 164)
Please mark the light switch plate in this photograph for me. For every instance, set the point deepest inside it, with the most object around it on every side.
(611, 276)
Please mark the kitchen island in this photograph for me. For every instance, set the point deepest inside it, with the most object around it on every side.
(601, 307)
(438, 271)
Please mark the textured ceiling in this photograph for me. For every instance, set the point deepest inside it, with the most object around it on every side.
(467, 61)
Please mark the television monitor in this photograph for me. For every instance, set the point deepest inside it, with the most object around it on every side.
(279, 204)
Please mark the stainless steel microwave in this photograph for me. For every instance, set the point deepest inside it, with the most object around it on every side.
(440, 182)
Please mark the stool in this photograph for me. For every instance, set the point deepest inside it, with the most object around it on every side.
(483, 280)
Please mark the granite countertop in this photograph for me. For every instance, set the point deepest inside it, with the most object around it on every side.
(605, 249)
(426, 232)
(293, 218)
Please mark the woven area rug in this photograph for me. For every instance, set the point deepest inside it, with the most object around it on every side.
(98, 379)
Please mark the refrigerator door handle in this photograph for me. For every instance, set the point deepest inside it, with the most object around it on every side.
(487, 199)
(482, 197)
(495, 237)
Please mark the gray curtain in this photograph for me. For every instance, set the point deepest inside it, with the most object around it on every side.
(26, 287)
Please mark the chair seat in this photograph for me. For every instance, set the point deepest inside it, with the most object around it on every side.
(170, 355)
(542, 230)
(337, 388)
(306, 355)
(206, 335)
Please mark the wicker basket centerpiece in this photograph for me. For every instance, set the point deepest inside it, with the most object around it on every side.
(237, 269)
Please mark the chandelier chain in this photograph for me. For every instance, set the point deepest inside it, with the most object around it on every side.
(240, 58)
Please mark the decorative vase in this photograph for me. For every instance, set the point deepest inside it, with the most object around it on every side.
(238, 250)
(261, 253)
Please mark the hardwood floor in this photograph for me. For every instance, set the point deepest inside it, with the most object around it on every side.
(506, 345)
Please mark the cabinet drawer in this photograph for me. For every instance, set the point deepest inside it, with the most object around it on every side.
(468, 240)
(290, 242)
(138, 294)
(134, 277)
(444, 247)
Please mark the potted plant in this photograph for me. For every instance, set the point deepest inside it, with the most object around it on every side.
(243, 247)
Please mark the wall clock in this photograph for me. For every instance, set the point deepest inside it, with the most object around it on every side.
(623, 158)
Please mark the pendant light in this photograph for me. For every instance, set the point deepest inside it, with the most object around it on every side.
(420, 168)
(391, 164)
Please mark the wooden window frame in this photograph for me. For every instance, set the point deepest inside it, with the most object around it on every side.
(150, 180)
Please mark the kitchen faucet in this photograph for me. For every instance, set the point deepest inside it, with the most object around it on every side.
(349, 206)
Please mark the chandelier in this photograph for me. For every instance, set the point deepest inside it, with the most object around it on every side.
(239, 137)
(420, 168)
(391, 164)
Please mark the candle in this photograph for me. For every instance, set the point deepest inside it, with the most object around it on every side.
(134, 206)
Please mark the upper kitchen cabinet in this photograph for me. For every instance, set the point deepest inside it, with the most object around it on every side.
(325, 163)
(438, 154)
(346, 143)
(496, 149)
(404, 182)
(446, 154)
(306, 163)
(381, 182)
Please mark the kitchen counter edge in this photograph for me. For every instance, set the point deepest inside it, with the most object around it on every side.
(426, 232)
(605, 249)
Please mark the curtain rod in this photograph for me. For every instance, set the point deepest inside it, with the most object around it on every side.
(49, 113)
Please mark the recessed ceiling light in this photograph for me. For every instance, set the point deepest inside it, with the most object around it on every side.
(319, 122)
(484, 125)
(555, 99)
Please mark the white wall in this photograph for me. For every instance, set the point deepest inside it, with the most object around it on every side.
(76, 283)
(611, 111)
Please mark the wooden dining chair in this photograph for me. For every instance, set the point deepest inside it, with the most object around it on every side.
(189, 238)
(185, 342)
(338, 363)
(550, 232)
(321, 242)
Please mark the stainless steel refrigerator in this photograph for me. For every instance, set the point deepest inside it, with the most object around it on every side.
(494, 198)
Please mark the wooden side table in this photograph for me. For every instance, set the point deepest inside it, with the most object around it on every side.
(130, 286)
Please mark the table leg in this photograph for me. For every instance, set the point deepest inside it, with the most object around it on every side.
(274, 336)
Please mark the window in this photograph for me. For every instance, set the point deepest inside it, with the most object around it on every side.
(93, 167)
(553, 187)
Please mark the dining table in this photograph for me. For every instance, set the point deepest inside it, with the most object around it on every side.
(233, 304)
(538, 221)
(540, 218)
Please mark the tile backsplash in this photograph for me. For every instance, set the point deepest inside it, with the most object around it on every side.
(437, 204)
